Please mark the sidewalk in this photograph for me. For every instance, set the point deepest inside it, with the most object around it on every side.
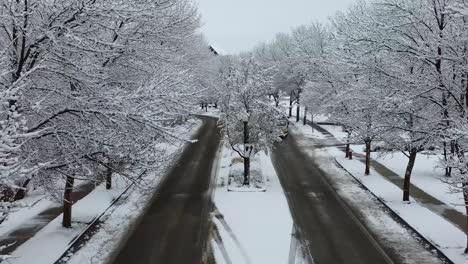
(453, 216)
(30, 227)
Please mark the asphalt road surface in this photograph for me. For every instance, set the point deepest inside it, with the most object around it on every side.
(175, 228)
(326, 226)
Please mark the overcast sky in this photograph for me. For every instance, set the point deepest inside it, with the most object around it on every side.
(238, 25)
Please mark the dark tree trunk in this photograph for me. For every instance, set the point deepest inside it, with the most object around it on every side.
(67, 202)
(409, 170)
(109, 178)
(290, 105)
(305, 116)
(22, 192)
(298, 110)
(368, 153)
(246, 159)
(447, 170)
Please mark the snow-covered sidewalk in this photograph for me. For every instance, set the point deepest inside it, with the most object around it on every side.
(255, 227)
(441, 233)
(444, 235)
(53, 240)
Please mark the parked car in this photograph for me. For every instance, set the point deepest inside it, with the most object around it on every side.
(283, 124)
(377, 146)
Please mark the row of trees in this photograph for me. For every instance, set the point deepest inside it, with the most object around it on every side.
(387, 70)
(91, 87)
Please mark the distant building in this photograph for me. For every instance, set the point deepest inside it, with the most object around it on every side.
(214, 51)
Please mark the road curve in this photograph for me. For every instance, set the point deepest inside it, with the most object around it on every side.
(326, 226)
(175, 227)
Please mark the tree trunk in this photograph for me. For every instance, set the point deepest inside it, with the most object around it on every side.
(108, 179)
(465, 196)
(298, 110)
(368, 153)
(290, 105)
(67, 202)
(246, 159)
(409, 170)
(447, 170)
(22, 192)
(305, 116)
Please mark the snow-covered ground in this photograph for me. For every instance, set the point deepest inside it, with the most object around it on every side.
(444, 235)
(53, 240)
(426, 174)
(23, 211)
(256, 226)
(448, 238)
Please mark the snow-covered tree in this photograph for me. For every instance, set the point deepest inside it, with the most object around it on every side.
(248, 118)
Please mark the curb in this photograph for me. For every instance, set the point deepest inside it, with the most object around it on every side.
(432, 247)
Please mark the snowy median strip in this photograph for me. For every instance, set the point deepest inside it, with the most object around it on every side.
(259, 223)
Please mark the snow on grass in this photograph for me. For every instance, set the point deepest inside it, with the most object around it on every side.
(260, 221)
(20, 214)
(307, 131)
(448, 238)
(336, 131)
(426, 176)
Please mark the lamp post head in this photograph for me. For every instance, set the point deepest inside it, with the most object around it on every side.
(244, 116)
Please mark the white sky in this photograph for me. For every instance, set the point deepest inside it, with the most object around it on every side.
(238, 25)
